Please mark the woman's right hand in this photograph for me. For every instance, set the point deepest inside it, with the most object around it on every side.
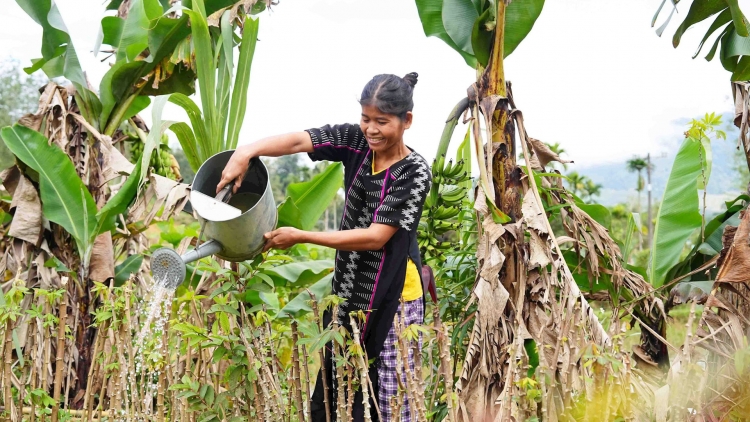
(236, 168)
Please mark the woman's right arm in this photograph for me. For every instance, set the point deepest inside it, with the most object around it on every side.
(273, 146)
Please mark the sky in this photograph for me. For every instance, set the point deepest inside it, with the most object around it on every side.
(592, 75)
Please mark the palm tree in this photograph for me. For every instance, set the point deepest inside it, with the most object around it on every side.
(576, 182)
(637, 165)
(592, 189)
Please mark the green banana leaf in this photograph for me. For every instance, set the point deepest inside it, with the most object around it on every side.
(188, 142)
(461, 23)
(300, 304)
(721, 19)
(699, 11)
(313, 197)
(679, 214)
(224, 51)
(464, 153)
(740, 22)
(59, 58)
(119, 203)
(632, 235)
(458, 19)
(520, 17)
(300, 273)
(288, 213)
(736, 30)
(202, 145)
(431, 15)
(241, 82)
(481, 38)
(123, 271)
(6, 157)
(713, 232)
(65, 199)
(205, 65)
(134, 34)
(58, 55)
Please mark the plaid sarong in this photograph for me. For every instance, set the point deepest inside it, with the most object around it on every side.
(410, 313)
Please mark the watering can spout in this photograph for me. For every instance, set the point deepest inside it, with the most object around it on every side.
(168, 267)
(205, 249)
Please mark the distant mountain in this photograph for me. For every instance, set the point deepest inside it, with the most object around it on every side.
(619, 184)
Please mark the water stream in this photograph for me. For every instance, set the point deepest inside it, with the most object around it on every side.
(142, 373)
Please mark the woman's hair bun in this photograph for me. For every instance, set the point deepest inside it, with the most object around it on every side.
(411, 78)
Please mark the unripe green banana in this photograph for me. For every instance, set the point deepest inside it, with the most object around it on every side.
(455, 170)
(447, 169)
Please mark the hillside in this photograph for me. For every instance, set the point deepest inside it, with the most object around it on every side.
(619, 184)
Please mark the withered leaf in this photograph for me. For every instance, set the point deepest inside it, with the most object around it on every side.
(27, 219)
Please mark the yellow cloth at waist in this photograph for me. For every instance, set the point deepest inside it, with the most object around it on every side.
(413, 283)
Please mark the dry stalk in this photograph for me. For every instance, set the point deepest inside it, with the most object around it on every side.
(258, 399)
(47, 350)
(349, 393)
(88, 401)
(60, 352)
(444, 346)
(276, 390)
(25, 370)
(396, 406)
(7, 374)
(419, 379)
(70, 362)
(135, 397)
(262, 381)
(338, 368)
(306, 385)
(103, 391)
(362, 367)
(297, 376)
(412, 388)
(399, 373)
(122, 396)
(324, 376)
(160, 412)
(32, 347)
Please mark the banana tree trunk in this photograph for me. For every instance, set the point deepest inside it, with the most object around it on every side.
(520, 317)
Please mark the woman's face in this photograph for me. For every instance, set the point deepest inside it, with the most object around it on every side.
(383, 131)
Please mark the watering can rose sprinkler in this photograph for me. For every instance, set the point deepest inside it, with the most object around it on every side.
(234, 224)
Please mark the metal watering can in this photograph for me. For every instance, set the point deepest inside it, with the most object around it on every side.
(234, 230)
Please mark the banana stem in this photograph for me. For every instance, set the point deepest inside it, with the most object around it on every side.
(445, 139)
(116, 117)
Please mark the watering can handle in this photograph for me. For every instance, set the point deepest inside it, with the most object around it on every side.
(226, 193)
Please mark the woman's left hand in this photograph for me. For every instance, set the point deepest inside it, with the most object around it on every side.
(282, 238)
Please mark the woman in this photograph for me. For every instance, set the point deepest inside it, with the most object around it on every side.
(377, 256)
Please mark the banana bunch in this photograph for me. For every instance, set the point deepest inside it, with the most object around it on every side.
(162, 160)
(450, 173)
(446, 202)
(431, 246)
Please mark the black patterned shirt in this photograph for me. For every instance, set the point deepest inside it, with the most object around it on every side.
(372, 281)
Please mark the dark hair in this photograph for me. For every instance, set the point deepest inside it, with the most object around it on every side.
(390, 93)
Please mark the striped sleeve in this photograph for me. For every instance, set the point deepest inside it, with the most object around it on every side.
(337, 143)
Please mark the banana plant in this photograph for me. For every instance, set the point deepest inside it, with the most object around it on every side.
(733, 27)
(467, 26)
(65, 199)
(223, 89)
(679, 215)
